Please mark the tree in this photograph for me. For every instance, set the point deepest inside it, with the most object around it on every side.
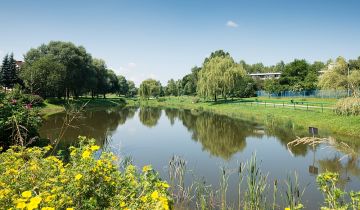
(123, 85)
(150, 87)
(9, 75)
(354, 82)
(219, 75)
(171, 88)
(335, 76)
(44, 76)
(189, 82)
(294, 74)
(4, 68)
(76, 60)
(132, 91)
(113, 82)
(101, 77)
(272, 86)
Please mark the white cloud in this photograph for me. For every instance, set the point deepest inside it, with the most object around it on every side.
(231, 24)
(131, 65)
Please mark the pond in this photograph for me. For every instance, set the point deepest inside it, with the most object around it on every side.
(208, 141)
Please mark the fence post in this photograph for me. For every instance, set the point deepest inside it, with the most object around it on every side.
(322, 108)
(283, 104)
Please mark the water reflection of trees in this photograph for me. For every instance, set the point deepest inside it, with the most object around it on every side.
(219, 135)
(149, 116)
(98, 124)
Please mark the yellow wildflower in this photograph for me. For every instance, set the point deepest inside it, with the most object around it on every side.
(165, 185)
(78, 176)
(287, 208)
(34, 203)
(69, 208)
(155, 195)
(122, 204)
(26, 194)
(86, 154)
(47, 208)
(21, 205)
(143, 199)
(147, 168)
(94, 147)
(49, 198)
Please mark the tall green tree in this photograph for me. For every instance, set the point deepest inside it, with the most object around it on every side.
(150, 88)
(219, 76)
(171, 88)
(9, 73)
(294, 74)
(335, 75)
(123, 85)
(77, 62)
(132, 91)
(44, 76)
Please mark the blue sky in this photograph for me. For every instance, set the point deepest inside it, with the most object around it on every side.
(164, 39)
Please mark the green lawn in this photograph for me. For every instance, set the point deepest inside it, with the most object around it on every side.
(301, 117)
(54, 105)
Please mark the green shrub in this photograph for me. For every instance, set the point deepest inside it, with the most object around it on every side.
(335, 196)
(18, 123)
(29, 179)
(161, 99)
(16, 94)
(348, 106)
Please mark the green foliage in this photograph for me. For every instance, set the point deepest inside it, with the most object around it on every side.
(219, 75)
(294, 75)
(8, 72)
(334, 196)
(19, 121)
(33, 179)
(335, 75)
(348, 106)
(171, 88)
(150, 88)
(123, 85)
(272, 86)
(45, 76)
(132, 90)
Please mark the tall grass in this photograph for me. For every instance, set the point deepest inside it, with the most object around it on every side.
(348, 106)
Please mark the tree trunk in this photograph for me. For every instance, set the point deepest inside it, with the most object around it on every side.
(215, 99)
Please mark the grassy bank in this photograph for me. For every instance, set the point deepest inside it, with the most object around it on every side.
(52, 106)
(325, 120)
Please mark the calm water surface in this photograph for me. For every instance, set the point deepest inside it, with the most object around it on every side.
(207, 141)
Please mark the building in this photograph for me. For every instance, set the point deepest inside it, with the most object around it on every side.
(263, 76)
(18, 64)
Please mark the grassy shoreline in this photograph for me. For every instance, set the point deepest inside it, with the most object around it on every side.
(325, 121)
(54, 106)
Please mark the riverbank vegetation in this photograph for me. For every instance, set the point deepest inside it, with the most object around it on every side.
(327, 121)
(34, 178)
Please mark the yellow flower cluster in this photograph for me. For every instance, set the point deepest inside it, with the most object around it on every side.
(29, 179)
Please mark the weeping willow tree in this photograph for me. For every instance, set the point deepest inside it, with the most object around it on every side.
(219, 76)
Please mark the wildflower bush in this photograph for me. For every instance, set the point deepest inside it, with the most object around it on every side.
(32, 179)
(19, 122)
(334, 197)
(348, 106)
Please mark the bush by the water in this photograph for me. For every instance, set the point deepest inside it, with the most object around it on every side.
(32, 179)
(17, 94)
(348, 106)
(19, 121)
